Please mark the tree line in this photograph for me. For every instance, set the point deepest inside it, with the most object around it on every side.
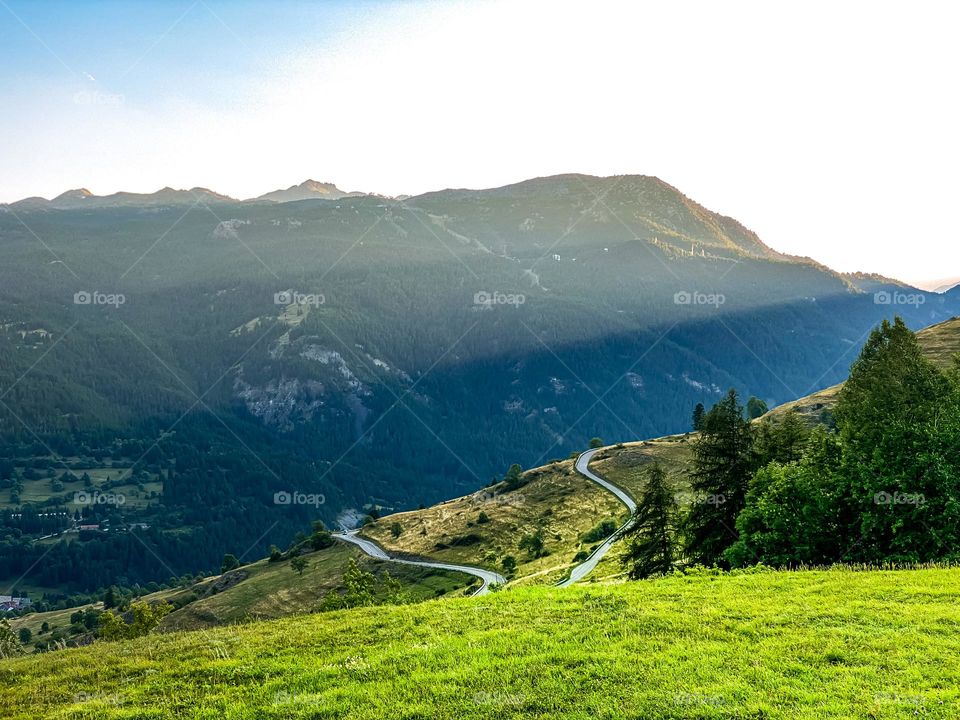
(877, 484)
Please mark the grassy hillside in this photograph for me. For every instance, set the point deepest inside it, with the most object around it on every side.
(941, 342)
(759, 645)
(626, 464)
(264, 590)
(556, 498)
(273, 590)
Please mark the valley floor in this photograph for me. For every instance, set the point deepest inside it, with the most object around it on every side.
(814, 644)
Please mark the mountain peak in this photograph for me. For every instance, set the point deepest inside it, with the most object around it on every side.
(307, 190)
(78, 193)
(316, 185)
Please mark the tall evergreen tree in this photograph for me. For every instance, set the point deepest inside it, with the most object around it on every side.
(698, 414)
(899, 420)
(723, 466)
(652, 533)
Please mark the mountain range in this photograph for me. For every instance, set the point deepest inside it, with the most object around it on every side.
(82, 198)
(207, 357)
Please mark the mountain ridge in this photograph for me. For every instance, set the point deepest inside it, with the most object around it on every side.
(729, 234)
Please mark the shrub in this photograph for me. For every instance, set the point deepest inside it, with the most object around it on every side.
(601, 531)
(145, 618)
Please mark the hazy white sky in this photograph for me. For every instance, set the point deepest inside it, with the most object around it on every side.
(828, 128)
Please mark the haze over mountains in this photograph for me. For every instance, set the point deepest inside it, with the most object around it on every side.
(82, 198)
(388, 352)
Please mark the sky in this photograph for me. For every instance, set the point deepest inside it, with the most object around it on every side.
(828, 128)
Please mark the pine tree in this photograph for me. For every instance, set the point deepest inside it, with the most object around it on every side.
(651, 549)
(229, 563)
(723, 465)
(514, 478)
(698, 413)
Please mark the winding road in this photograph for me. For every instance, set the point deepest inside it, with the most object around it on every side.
(492, 578)
(587, 566)
(375, 551)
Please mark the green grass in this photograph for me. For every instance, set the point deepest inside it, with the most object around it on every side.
(815, 644)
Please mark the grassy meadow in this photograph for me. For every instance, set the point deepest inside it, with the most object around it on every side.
(812, 644)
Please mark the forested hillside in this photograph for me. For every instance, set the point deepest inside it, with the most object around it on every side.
(202, 357)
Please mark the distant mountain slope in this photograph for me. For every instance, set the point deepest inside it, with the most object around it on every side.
(940, 343)
(537, 212)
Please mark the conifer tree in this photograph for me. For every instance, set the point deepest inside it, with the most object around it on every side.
(698, 413)
(651, 548)
(723, 466)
